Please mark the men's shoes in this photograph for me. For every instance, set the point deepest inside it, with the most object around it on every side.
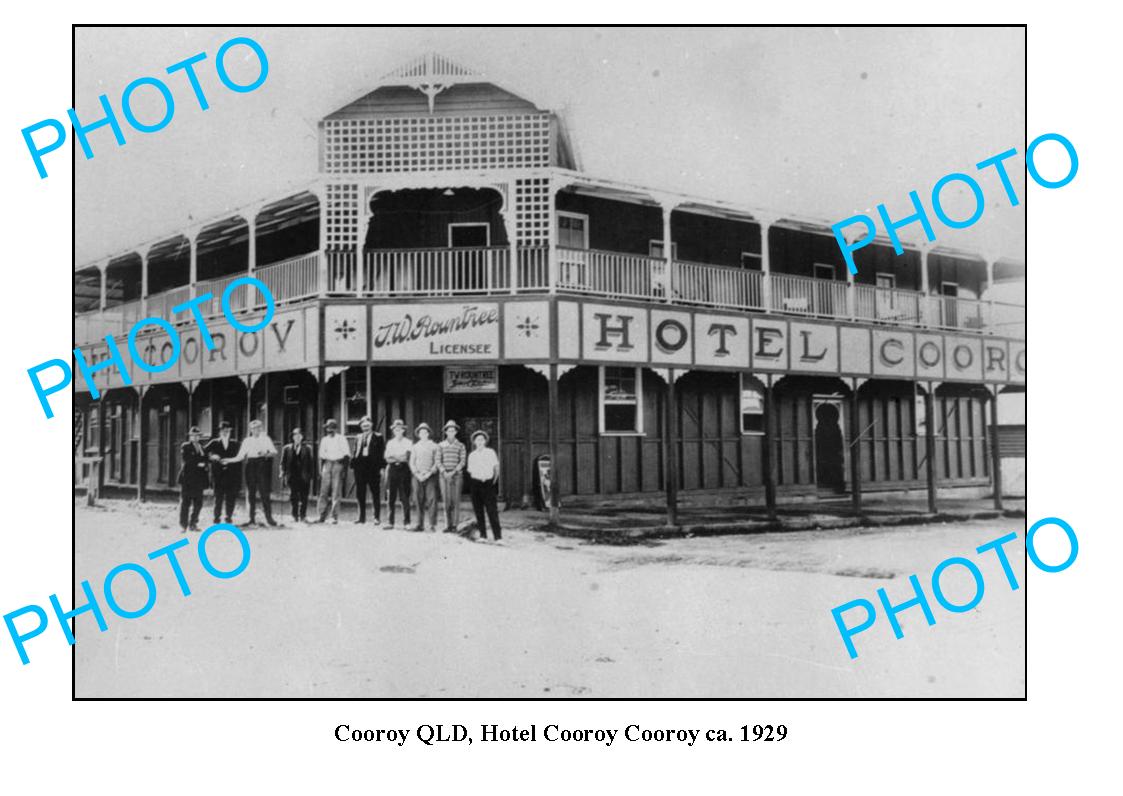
(377, 523)
(183, 530)
(271, 522)
(194, 529)
(335, 521)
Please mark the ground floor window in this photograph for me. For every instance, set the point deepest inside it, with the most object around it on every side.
(752, 407)
(620, 394)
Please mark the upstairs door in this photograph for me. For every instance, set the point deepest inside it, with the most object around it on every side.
(949, 304)
(470, 269)
(573, 251)
(822, 294)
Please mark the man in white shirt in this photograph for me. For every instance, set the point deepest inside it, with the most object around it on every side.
(334, 455)
(483, 475)
(257, 452)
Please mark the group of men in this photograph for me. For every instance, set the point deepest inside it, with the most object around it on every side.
(418, 471)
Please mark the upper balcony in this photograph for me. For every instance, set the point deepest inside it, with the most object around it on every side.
(491, 270)
(583, 237)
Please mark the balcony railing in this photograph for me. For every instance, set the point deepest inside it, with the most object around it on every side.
(611, 274)
(801, 296)
(488, 271)
(717, 286)
(291, 280)
(437, 271)
(888, 305)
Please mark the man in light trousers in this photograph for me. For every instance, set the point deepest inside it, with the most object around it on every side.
(424, 461)
(334, 455)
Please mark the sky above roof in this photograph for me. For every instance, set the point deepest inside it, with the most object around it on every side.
(816, 122)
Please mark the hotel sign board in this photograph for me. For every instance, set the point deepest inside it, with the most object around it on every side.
(661, 337)
(484, 333)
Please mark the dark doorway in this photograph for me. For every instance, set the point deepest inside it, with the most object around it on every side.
(473, 412)
(829, 453)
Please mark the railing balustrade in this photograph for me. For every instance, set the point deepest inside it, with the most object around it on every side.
(488, 271)
(292, 279)
(888, 305)
(611, 274)
(716, 286)
(802, 296)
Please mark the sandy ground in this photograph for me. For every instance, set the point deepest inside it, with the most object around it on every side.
(348, 611)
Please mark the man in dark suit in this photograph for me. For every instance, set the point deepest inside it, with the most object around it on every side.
(226, 476)
(368, 463)
(297, 468)
(193, 479)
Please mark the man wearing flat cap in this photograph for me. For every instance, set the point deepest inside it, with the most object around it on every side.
(193, 479)
(424, 461)
(334, 454)
(397, 453)
(454, 457)
(483, 472)
(368, 463)
(226, 475)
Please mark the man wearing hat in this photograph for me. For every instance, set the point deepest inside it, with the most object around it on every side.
(297, 470)
(454, 457)
(193, 479)
(483, 472)
(368, 463)
(257, 451)
(226, 475)
(397, 453)
(424, 461)
(334, 453)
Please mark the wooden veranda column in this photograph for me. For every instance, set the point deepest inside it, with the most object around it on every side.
(855, 450)
(670, 447)
(552, 401)
(930, 444)
(766, 452)
(995, 453)
(142, 448)
(101, 406)
(321, 405)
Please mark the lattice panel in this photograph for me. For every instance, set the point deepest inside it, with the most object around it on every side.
(342, 215)
(436, 143)
(532, 211)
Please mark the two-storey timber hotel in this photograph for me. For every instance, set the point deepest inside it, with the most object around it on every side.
(449, 259)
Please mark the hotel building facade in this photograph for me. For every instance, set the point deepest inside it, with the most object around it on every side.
(449, 259)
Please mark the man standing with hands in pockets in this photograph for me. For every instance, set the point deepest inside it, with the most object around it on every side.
(397, 455)
(334, 454)
(424, 462)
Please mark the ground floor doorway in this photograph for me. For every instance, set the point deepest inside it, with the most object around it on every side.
(830, 447)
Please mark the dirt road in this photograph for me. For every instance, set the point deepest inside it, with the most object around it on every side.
(349, 611)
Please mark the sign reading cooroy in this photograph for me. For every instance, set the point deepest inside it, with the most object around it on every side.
(114, 357)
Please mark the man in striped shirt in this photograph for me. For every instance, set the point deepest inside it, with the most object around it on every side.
(452, 460)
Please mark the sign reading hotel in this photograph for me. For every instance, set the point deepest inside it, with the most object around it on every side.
(680, 338)
(593, 332)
